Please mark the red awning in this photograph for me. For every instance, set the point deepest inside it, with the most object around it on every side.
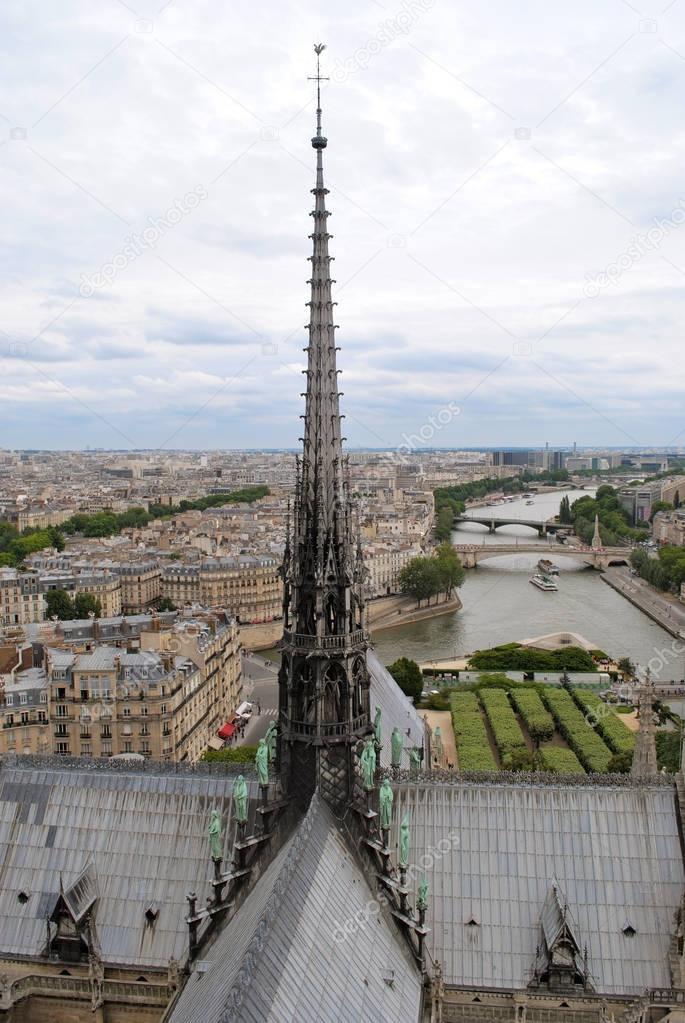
(226, 731)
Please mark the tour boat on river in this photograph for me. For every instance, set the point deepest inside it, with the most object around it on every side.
(544, 582)
(547, 567)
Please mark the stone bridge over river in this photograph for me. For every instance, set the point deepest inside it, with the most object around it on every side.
(603, 557)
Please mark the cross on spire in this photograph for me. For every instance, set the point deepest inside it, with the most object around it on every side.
(318, 78)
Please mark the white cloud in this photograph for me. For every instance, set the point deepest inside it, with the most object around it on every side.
(479, 166)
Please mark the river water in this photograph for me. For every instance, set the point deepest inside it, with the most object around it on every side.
(501, 606)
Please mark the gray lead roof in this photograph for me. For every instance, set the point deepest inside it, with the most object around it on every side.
(492, 853)
(313, 945)
(142, 834)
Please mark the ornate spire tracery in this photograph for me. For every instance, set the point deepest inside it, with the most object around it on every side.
(324, 643)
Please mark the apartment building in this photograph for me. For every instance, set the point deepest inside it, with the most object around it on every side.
(209, 640)
(669, 527)
(249, 586)
(103, 586)
(384, 563)
(21, 600)
(24, 712)
(165, 700)
(141, 585)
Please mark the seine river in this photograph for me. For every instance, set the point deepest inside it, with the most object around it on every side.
(500, 605)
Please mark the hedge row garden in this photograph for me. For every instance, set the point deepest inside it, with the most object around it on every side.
(525, 724)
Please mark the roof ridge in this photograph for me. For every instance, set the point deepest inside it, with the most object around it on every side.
(236, 995)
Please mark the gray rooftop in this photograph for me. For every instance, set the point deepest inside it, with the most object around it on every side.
(396, 710)
(613, 851)
(286, 956)
(141, 832)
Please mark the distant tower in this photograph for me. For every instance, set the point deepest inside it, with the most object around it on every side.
(596, 539)
(644, 757)
(323, 681)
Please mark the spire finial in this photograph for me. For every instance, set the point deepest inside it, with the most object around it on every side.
(319, 141)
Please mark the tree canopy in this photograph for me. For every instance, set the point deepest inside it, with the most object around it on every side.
(408, 676)
(424, 577)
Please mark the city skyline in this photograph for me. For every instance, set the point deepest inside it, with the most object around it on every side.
(475, 209)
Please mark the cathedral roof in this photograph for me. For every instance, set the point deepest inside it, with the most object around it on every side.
(121, 836)
(310, 943)
(396, 710)
(493, 852)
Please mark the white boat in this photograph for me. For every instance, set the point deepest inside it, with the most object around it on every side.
(543, 582)
(546, 567)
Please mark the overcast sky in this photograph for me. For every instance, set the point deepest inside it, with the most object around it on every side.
(497, 176)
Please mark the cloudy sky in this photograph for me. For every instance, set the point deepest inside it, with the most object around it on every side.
(508, 198)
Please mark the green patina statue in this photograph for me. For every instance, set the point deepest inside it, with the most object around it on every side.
(215, 835)
(270, 737)
(368, 765)
(385, 799)
(377, 726)
(437, 739)
(422, 897)
(262, 762)
(396, 747)
(404, 842)
(240, 799)
(414, 759)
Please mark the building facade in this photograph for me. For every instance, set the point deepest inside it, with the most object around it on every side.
(164, 701)
(248, 585)
(141, 585)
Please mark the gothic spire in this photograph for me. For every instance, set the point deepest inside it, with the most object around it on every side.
(324, 682)
(322, 542)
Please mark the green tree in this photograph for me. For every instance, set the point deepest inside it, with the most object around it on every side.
(444, 523)
(451, 572)
(164, 604)
(660, 506)
(59, 604)
(408, 676)
(56, 538)
(417, 580)
(565, 510)
(84, 604)
(626, 667)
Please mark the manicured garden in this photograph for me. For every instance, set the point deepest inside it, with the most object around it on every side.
(588, 746)
(613, 730)
(505, 728)
(538, 721)
(559, 760)
(505, 725)
(470, 733)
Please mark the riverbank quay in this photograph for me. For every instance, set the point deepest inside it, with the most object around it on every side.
(383, 613)
(403, 611)
(662, 609)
